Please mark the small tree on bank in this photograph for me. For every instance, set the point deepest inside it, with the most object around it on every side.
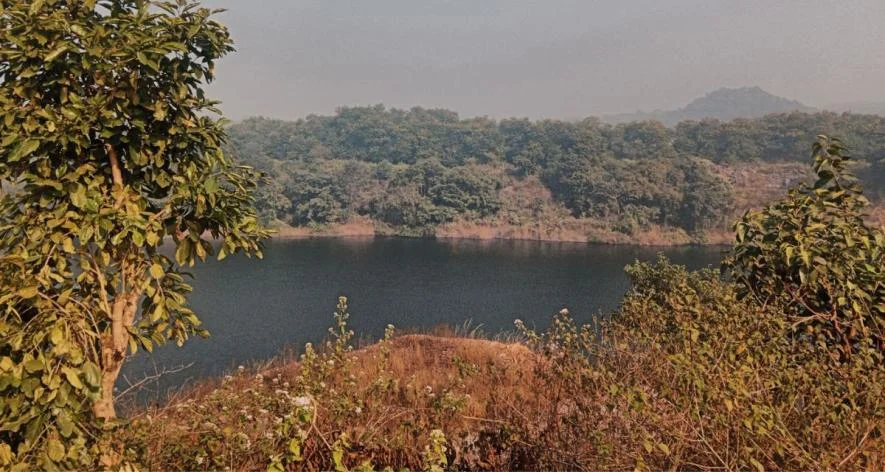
(106, 134)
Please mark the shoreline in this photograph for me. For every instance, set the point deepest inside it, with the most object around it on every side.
(578, 231)
(348, 231)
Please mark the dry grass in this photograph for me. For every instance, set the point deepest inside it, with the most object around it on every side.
(424, 360)
(459, 385)
(500, 405)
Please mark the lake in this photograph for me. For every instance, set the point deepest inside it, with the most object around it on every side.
(256, 308)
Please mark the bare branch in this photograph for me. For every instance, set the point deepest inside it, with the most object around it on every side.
(141, 384)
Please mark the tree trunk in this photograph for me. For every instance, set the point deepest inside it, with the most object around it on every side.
(113, 352)
(114, 344)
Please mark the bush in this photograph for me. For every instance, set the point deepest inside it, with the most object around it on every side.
(813, 253)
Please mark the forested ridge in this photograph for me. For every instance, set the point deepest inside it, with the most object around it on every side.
(413, 172)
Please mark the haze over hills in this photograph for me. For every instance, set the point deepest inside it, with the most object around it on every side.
(724, 104)
(865, 108)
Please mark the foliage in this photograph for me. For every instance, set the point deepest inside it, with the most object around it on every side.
(630, 176)
(813, 252)
(109, 140)
(682, 192)
(735, 388)
(780, 137)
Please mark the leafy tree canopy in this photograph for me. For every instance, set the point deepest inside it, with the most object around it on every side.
(110, 142)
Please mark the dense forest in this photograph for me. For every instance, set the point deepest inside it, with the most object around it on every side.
(411, 171)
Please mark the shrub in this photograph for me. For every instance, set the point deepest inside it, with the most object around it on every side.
(813, 253)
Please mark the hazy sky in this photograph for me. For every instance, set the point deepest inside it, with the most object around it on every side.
(544, 58)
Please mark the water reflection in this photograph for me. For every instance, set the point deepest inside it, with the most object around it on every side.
(255, 308)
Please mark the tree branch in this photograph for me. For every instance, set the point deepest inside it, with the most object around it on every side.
(116, 172)
(150, 379)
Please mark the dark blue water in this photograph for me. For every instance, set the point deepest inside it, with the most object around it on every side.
(255, 308)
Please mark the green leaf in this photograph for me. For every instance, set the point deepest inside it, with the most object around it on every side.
(55, 450)
(159, 111)
(138, 239)
(158, 313)
(152, 238)
(295, 450)
(68, 245)
(73, 377)
(92, 374)
(211, 185)
(25, 149)
(28, 292)
(758, 465)
(183, 252)
(142, 58)
(54, 54)
(157, 271)
(33, 365)
(65, 425)
(56, 336)
(36, 6)
(78, 30)
(275, 466)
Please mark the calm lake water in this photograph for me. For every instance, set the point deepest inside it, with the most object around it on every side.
(255, 308)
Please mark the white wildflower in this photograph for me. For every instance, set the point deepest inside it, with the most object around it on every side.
(302, 401)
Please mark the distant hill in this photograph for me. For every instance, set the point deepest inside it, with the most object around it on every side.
(724, 104)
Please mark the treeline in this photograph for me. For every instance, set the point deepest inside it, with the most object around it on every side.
(416, 169)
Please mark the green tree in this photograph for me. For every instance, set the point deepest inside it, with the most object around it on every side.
(813, 252)
(110, 139)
